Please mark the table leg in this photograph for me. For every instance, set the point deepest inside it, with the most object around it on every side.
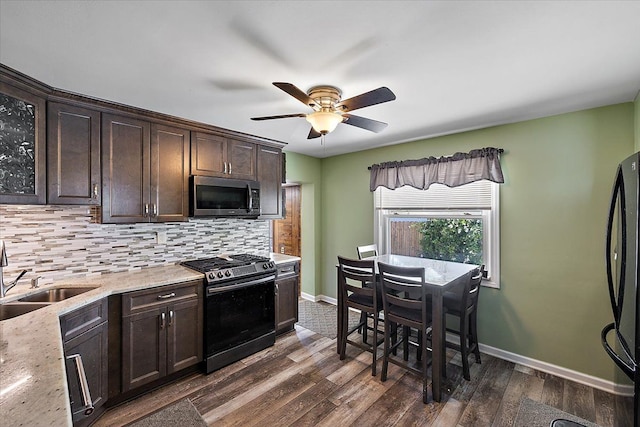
(437, 336)
(340, 314)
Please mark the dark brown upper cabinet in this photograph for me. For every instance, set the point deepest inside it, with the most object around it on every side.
(145, 171)
(73, 155)
(22, 144)
(270, 177)
(214, 155)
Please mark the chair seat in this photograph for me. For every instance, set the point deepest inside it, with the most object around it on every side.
(365, 300)
(407, 313)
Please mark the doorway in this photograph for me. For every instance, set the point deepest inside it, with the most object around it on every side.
(286, 231)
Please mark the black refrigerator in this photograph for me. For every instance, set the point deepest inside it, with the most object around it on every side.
(621, 338)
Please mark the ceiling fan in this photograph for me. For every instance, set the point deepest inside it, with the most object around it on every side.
(329, 109)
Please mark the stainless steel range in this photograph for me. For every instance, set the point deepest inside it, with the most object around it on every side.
(239, 306)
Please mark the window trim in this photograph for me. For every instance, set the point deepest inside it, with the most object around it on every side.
(490, 219)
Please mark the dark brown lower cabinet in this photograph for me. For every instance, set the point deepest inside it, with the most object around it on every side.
(85, 340)
(287, 284)
(161, 332)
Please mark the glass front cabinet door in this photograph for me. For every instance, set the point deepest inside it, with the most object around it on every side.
(22, 146)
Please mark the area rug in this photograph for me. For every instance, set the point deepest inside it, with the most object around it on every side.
(322, 318)
(182, 414)
(535, 414)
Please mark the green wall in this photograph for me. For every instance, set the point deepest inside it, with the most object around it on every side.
(307, 172)
(553, 300)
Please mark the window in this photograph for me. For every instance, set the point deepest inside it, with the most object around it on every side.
(459, 224)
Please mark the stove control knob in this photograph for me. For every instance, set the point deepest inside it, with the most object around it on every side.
(212, 276)
(227, 273)
(265, 265)
(220, 274)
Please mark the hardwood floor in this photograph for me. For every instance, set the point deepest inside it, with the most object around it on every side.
(301, 382)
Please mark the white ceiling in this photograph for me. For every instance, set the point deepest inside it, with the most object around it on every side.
(453, 66)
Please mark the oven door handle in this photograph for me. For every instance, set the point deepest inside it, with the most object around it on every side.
(217, 289)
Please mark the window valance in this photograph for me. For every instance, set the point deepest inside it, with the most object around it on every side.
(453, 171)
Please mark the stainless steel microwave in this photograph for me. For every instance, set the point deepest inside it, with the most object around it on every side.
(223, 197)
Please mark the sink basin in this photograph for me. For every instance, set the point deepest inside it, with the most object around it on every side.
(13, 309)
(55, 295)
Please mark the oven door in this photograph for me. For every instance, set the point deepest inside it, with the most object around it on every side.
(239, 313)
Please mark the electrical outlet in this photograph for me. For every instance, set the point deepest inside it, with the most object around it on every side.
(161, 237)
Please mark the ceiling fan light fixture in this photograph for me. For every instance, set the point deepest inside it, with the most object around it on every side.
(324, 122)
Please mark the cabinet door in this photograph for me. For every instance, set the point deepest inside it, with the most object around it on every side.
(286, 303)
(169, 174)
(208, 155)
(73, 155)
(270, 177)
(144, 339)
(241, 160)
(184, 334)
(91, 347)
(22, 144)
(125, 169)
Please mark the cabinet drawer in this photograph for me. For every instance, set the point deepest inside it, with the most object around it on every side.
(150, 298)
(81, 320)
(286, 270)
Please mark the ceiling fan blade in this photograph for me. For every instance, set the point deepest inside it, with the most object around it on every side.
(364, 123)
(314, 134)
(296, 93)
(376, 96)
(283, 116)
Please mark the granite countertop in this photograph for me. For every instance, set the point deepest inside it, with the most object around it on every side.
(33, 384)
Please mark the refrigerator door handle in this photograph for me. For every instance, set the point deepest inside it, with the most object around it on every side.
(618, 190)
(628, 369)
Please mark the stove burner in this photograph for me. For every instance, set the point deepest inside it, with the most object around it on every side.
(225, 268)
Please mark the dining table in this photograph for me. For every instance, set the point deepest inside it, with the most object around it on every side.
(440, 276)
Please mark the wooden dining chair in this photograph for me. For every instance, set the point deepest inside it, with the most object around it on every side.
(404, 297)
(352, 275)
(367, 251)
(363, 252)
(464, 305)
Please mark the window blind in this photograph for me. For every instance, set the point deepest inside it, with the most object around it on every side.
(475, 195)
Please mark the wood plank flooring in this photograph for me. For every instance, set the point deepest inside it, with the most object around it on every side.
(302, 382)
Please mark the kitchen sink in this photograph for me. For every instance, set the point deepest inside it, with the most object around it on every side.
(14, 309)
(56, 294)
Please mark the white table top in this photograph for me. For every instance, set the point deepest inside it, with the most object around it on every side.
(438, 273)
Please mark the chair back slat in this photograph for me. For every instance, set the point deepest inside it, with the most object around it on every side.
(354, 274)
(367, 250)
(403, 287)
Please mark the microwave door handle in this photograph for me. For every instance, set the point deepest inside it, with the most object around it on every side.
(249, 199)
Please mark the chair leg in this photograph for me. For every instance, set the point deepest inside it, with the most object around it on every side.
(363, 329)
(385, 351)
(375, 344)
(422, 338)
(406, 332)
(464, 349)
(343, 332)
(473, 326)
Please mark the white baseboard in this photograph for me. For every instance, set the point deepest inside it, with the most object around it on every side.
(559, 371)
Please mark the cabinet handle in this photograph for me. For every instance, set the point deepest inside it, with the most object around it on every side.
(95, 192)
(277, 289)
(162, 320)
(146, 210)
(84, 384)
(155, 209)
(170, 317)
(167, 296)
(225, 168)
(229, 168)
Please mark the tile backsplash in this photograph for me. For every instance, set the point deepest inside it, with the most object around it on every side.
(57, 242)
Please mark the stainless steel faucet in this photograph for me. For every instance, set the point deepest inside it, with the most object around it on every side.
(3, 263)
